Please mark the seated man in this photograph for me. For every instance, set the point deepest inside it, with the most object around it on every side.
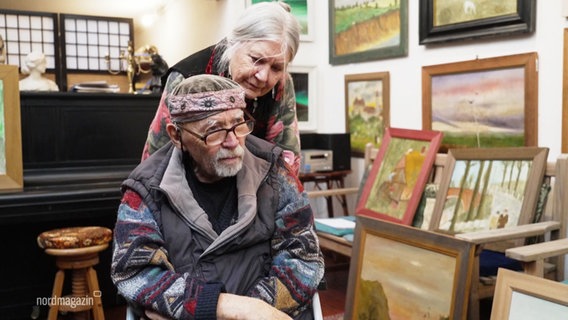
(214, 225)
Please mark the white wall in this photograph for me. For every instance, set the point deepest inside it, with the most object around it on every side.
(405, 72)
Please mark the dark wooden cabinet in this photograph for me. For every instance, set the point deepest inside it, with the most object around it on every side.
(77, 149)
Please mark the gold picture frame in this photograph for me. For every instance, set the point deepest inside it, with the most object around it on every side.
(11, 167)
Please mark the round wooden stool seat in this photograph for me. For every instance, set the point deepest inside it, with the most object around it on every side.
(76, 249)
(75, 237)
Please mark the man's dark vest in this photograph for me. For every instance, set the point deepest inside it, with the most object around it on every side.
(240, 262)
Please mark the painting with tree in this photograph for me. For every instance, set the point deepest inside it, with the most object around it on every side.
(488, 188)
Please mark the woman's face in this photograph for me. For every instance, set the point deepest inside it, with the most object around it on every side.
(258, 66)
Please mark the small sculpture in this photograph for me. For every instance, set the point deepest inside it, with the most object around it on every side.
(158, 66)
(35, 65)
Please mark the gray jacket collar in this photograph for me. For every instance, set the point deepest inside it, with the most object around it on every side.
(249, 178)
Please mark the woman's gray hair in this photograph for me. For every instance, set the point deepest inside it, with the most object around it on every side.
(264, 21)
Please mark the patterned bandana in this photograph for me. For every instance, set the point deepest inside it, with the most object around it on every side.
(197, 106)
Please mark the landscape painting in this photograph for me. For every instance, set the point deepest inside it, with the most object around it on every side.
(480, 109)
(449, 12)
(367, 30)
(489, 194)
(400, 272)
(489, 188)
(483, 103)
(389, 284)
(367, 109)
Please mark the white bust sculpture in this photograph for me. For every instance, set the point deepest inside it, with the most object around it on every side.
(35, 65)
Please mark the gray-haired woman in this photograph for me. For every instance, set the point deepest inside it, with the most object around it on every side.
(255, 54)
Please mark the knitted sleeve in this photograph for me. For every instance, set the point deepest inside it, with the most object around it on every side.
(143, 274)
(157, 134)
(283, 129)
(297, 265)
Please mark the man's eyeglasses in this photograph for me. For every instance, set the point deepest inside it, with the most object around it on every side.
(217, 137)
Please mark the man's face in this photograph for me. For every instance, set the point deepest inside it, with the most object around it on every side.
(258, 66)
(215, 162)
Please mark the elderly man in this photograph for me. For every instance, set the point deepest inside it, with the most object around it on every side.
(214, 225)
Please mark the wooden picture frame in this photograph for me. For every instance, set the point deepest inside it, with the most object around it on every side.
(443, 21)
(489, 102)
(304, 78)
(11, 167)
(521, 296)
(363, 32)
(404, 273)
(488, 188)
(399, 174)
(367, 109)
(565, 94)
(303, 10)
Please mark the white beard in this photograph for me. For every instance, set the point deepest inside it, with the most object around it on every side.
(228, 170)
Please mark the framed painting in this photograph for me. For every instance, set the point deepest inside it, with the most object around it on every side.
(451, 20)
(488, 188)
(483, 103)
(304, 13)
(399, 173)
(521, 296)
(400, 272)
(367, 105)
(364, 31)
(305, 88)
(11, 168)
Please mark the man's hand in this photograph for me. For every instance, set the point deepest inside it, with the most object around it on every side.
(232, 306)
(152, 315)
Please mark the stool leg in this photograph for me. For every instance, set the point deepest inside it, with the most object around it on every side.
(95, 292)
(57, 289)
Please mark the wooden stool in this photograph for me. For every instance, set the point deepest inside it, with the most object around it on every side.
(76, 249)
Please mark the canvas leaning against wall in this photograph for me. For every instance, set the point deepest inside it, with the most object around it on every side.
(400, 272)
(488, 188)
(396, 181)
(11, 167)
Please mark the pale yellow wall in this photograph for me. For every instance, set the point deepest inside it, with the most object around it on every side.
(182, 26)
